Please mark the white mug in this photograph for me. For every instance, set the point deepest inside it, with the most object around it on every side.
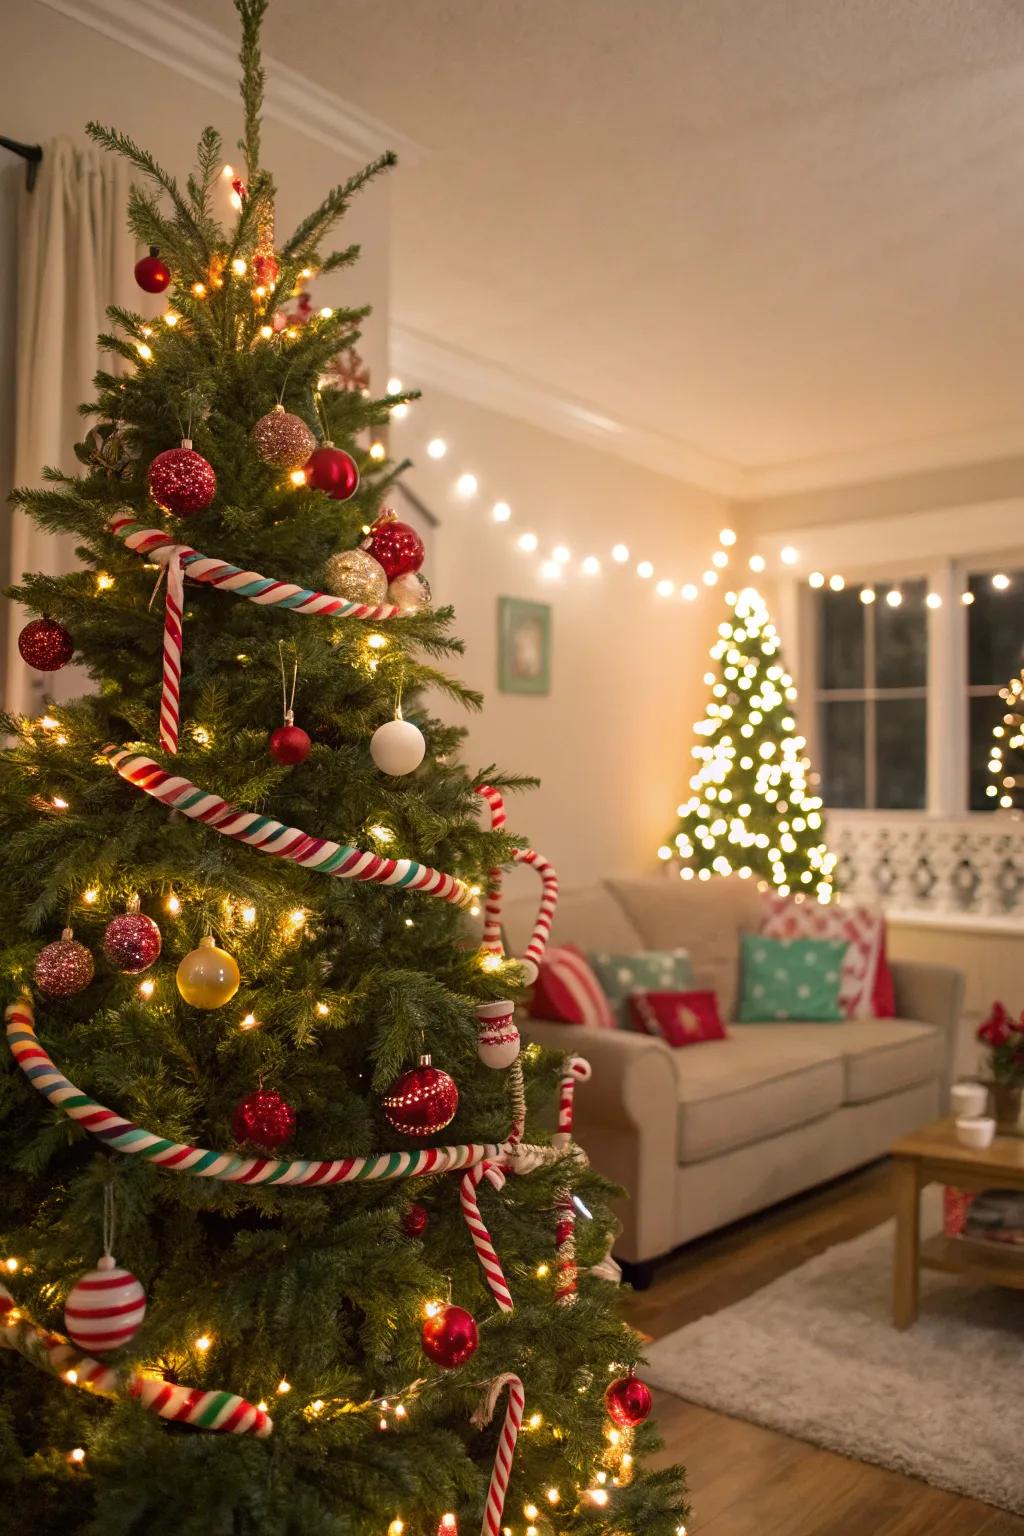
(968, 1100)
(975, 1131)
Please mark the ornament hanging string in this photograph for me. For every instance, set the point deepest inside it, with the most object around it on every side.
(108, 1220)
(287, 705)
(185, 1405)
(341, 862)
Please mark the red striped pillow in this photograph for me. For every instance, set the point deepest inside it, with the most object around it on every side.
(567, 991)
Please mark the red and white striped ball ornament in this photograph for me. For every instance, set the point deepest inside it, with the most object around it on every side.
(497, 1040)
(105, 1308)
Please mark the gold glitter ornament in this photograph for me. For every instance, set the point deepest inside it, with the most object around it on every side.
(356, 576)
(282, 439)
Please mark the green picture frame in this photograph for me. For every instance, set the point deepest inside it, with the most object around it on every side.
(524, 646)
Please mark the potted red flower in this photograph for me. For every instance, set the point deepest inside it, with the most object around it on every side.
(1003, 1037)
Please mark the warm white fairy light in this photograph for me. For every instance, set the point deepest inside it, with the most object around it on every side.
(501, 512)
(720, 559)
(788, 555)
(528, 542)
(378, 452)
(297, 917)
(284, 1386)
(867, 594)
(490, 962)
(591, 565)
(248, 916)
(144, 350)
(561, 554)
(757, 563)
(77, 1455)
(1000, 581)
(376, 642)
(437, 448)
(816, 579)
(203, 1343)
(620, 554)
(894, 597)
(550, 570)
(323, 1010)
(967, 598)
(688, 592)
(727, 537)
(147, 987)
(12, 1266)
(837, 583)
(710, 578)
(665, 588)
(297, 476)
(934, 600)
(645, 570)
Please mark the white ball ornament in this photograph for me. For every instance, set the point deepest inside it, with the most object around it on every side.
(397, 747)
(530, 971)
(497, 1035)
(105, 1308)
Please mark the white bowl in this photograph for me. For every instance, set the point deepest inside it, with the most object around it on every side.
(968, 1100)
(975, 1131)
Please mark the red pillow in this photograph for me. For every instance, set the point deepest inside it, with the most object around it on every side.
(567, 991)
(680, 1018)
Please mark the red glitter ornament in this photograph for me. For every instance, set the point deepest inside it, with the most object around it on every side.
(332, 470)
(152, 274)
(450, 1337)
(415, 1221)
(46, 645)
(395, 546)
(182, 481)
(64, 967)
(289, 744)
(266, 269)
(422, 1101)
(628, 1401)
(264, 1118)
(132, 942)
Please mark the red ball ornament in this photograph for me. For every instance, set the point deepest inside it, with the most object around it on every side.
(289, 745)
(152, 274)
(266, 269)
(450, 1337)
(415, 1221)
(628, 1401)
(64, 967)
(264, 1118)
(422, 1101)
(182, 481)
(332, 470)
(132, 942)
(395, 546)
(46, 645)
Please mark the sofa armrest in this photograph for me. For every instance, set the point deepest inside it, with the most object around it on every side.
(932, 994)
(626, 1120)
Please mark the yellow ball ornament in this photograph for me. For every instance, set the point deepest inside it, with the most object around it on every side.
(208, 977)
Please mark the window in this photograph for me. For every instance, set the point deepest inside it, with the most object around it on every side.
(872, 696)
(995, 654)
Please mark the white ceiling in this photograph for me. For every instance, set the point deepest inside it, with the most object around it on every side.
(779, 241)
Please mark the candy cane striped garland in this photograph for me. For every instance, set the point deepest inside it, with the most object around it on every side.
(273, 837)
(506, 1445)
(182, 560)
(485, 1250)
(185, 1405)
(124, 1136)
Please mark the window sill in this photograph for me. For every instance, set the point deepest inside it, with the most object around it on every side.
(1005, 925)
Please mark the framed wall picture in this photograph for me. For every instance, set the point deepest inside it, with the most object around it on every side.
(524, 646)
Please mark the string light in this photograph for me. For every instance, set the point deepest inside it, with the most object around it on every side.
(720, 559)
(199, 289)
(837, 583)
(239, 267)
(867, 594)
(396, 1527)
(501, 512)
(788, 555)
(90, 896)
(376, 642)
(326, 312)
(467, 485)
(894, 597)
(378, 452)
(71, 1377)
(967, 598)
(437, 448)
(432, 1308)
(591, 565)
(620, 554)
(249, 1022)
(173, 904)
(323, 1010)
(144, 350)
(542, 1271)
(934, 600)
(645, 570)
(490, 962)
(816, 579)
(727, 537)
(284, 1386)
(528, 542)
(561, 554)
(248, 916)
(757, 563)
(551, 570)
(297, 917)
(147, 987)
(12, 1266)
(665, 588)
(266, 331)
(77, 1456)
(710, 578)
(171, 318)
(689, 592)
(59, 803)
(552, 1495)
(203, 1343)
(297, 477)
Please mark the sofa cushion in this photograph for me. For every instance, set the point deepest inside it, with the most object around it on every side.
(589, 918)
(621, 974)
(752, 1085)
(879, 1056)
(790, 979)
(568, 992)
(862, 930)
(702, 916)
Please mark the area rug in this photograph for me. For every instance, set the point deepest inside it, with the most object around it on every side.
(815, 1355)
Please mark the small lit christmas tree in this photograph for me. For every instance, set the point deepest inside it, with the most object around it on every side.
(751, 811)
(1006, 754)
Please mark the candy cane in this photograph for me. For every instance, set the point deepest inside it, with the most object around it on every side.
(273, 837)
(182, 560)
(185, 1405)
(506, 1446)
(124, 1136)
(574, 1069)
(492, 901)
(491, 942)
(485, 1250)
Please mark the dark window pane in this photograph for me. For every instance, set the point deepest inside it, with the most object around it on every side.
(985, 714)
(843, 762)
(995, 630)
(901, 639)
(842, 639)
(900, 734)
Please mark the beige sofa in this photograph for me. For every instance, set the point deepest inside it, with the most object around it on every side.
(712, 1132)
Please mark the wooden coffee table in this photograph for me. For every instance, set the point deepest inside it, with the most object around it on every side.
(934, 1156)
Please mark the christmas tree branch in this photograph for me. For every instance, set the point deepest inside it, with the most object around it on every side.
(251, 13)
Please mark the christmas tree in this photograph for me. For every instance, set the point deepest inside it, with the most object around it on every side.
(751, 811)
(267, 1271)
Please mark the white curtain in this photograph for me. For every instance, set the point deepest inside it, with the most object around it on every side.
(74, 255)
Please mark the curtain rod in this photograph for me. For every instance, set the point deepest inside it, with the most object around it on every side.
(32, 153)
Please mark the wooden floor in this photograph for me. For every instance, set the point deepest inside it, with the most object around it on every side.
(748, 1481)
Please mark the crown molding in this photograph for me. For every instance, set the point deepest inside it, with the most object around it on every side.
(424, 360)
(191, 48)
(883, 463)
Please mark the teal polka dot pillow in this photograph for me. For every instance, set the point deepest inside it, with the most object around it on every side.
(650, 970)
(790, 979)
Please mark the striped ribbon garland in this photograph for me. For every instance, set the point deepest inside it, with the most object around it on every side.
(224, 1411)
(342, 862)
(182, 560)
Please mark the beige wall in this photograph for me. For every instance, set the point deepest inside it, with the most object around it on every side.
(60, 74)
(611, 742)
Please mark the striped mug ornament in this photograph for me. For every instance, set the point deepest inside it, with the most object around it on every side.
(105, 1308)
